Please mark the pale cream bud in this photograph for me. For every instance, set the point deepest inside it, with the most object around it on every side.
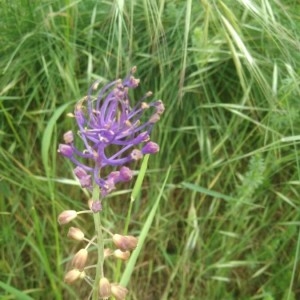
(68, 137)
(133, 69)
(128, 123)
(144, 105)
(124, 255)
(79, 259)
(136, 154)
(66, 216)
(132, 242)
(118, 291)
(75, 234)
(108, 252)
(124, 243)
(160, 108)
(90, 203)
(70, 115)
(73, 275)
(104, 288)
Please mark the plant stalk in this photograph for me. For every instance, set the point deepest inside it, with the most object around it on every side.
(100, 246)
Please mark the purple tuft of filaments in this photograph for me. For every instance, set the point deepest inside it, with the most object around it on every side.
(112, 132)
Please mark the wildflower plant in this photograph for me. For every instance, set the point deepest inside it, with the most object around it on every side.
(113, 135)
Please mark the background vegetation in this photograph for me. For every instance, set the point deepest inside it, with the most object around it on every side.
(228, 72)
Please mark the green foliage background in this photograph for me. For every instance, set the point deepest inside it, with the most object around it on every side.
(227, 226)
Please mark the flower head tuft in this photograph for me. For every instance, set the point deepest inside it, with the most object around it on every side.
(112, 131)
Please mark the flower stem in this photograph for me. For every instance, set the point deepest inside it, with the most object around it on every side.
(100, 246)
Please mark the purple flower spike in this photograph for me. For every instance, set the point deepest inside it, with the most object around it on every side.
(112, 132)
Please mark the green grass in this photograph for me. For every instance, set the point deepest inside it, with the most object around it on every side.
(227, 225)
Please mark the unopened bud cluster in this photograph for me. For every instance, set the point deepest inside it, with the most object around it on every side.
(121, 249)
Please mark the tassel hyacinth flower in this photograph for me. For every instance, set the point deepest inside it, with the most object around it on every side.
(114, 132)
(111, 131)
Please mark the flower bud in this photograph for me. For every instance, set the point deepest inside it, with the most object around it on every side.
(150, 148)
(84, 179)
(125, 174)
(75, 234)
(108, 185)
(124, 255)
(142, 137)
(131, 82)
(65, 150)
(66, 216)
(79, 115)
(136, 154)
(104, 288)
(113, 176)
(79, 259)
(118, 291)
(154, 118)
(160, 108)
(73, 275)
(144, 105)
(96, 206)
(108, 252)
(125, 243)
(133, 70)
(68, 137)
